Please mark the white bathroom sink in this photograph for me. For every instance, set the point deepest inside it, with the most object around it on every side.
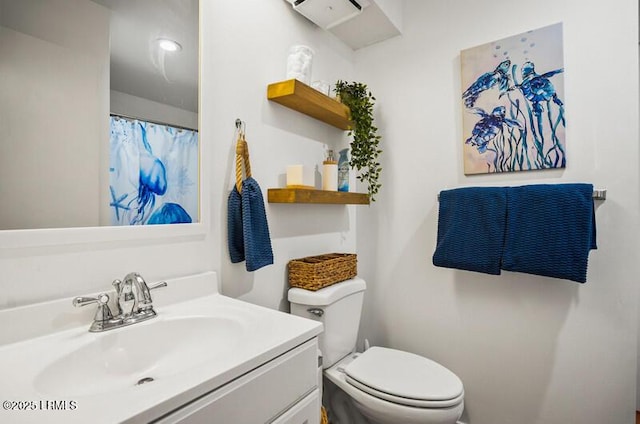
(139, 354)
(199, 341)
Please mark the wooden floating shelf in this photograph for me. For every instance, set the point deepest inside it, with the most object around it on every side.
(304, 99)
(298, 195)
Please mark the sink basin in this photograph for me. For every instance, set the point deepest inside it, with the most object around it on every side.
(139, 354)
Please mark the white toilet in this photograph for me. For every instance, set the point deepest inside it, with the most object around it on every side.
(387, 386)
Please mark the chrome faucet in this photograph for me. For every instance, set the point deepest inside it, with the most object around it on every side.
(133, 301)
(134, 296)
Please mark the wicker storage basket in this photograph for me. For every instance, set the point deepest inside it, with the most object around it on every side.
(315, 272)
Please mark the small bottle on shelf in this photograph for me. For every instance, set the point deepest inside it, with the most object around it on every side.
(343, 171)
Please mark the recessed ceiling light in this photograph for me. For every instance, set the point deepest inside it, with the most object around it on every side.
(169, 45)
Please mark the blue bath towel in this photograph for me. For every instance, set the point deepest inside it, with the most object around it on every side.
(471, 223)
(235, 236)
(550, 230)
(255, 229)
(247, 227)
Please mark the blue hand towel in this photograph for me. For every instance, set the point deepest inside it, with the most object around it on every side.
(550, 230)
(471, 223)
(235, 236)
(257, 242)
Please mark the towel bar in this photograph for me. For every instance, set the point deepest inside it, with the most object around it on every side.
(598, 194)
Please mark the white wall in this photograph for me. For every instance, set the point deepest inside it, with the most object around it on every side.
(251, 42)
(529, 349)
(54, 112)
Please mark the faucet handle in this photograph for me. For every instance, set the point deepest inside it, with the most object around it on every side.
(149, 301)
(103, 313)
(157, 285)
(101, 299)
(118, 285)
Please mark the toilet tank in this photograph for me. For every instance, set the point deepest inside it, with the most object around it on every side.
(338, 307)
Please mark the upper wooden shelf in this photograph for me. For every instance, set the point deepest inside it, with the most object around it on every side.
(299, 96)
(300, 195)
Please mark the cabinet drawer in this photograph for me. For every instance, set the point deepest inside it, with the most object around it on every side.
(307, 411)
(258, 396)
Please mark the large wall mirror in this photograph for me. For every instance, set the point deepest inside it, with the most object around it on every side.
(98, 113)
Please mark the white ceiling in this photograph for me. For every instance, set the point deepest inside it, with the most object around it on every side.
(138, 66)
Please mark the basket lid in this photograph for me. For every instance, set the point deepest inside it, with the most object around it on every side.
(327, 295)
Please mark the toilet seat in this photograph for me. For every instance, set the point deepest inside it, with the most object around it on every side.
(404, 378)
(417, 403)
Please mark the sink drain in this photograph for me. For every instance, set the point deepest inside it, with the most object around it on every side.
(144, 380)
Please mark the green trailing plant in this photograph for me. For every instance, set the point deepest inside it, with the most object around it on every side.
(365, 143)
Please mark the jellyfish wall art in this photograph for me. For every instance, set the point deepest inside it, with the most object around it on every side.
(153, 173)
(513, 103)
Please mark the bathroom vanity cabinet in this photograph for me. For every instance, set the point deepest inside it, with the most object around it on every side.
(205, 358)
(281, 391)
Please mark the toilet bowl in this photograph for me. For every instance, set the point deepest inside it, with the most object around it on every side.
(387, 386)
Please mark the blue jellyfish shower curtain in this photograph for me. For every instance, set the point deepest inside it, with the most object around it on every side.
(153, 173)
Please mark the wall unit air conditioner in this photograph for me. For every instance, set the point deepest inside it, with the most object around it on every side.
(329, 13)
(358, 23)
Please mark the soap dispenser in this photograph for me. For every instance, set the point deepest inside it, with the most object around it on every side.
(330, 173)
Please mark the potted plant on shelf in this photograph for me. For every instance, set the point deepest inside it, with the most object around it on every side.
(365, 144)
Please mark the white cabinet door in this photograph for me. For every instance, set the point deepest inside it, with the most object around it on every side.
(258, 396)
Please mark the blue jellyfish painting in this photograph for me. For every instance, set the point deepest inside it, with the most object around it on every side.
(520, 79)
(153, 173)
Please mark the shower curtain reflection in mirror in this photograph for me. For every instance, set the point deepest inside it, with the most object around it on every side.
(153, 173)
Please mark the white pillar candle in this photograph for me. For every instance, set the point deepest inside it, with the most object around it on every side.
(330, 176)
(294, 175)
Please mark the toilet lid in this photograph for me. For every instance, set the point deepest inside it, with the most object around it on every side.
(404, 378)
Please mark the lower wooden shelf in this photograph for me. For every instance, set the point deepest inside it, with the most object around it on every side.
(299, 195)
